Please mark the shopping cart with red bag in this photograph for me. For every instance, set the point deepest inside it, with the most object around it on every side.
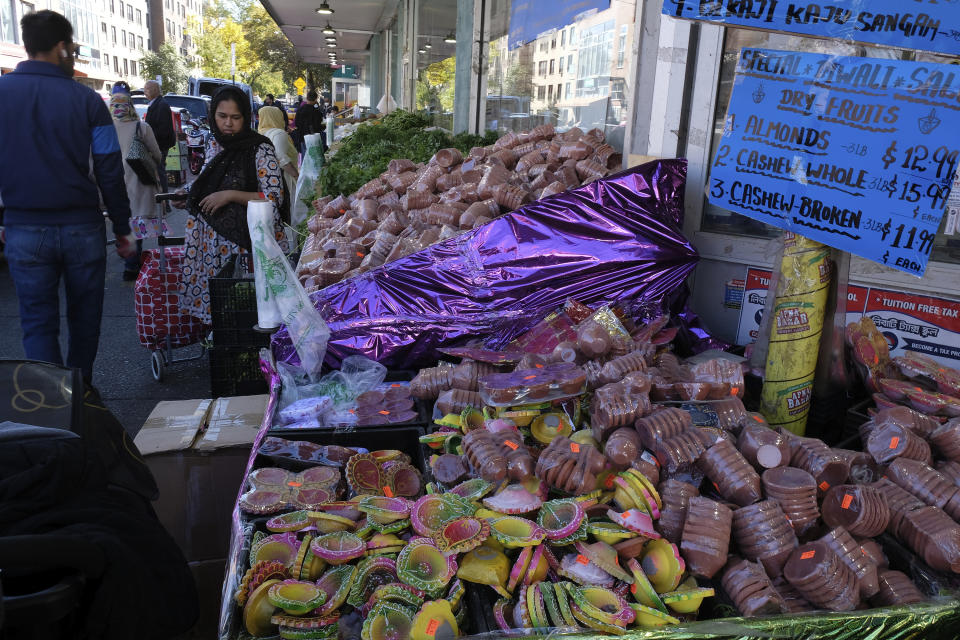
(161, 326)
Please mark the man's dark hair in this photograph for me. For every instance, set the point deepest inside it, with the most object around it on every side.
(270, 95)
(42, 30)
(312, 96)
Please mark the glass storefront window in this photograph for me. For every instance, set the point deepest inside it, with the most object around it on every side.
(436, 62)
(560, 62)
(8, 22)
(719, 220)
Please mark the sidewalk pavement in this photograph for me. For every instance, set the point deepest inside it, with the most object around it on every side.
(122, 370)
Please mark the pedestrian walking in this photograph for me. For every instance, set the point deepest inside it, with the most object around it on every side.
(270, 101)
(54, 226)
(142, 201)
(160, 119)
(309, 119)
(241, 165)
(271, 125)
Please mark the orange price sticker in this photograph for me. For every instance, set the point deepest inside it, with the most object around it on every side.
(513, 445)
(806, 555)
(529, 377)
(633, 588)
(538, 366)
(293, 483)
(847, 499)
(384, 413)
(894, 441)
(396, 386)
(824, 485)
(432, 626)
(387, 491)
(574, 447)
(583, 559)
(359, 255)
(609, 482)
(716, 486)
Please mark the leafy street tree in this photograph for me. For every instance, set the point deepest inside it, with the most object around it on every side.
(167, 63)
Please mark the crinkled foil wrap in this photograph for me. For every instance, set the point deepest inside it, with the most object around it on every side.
(616, 239)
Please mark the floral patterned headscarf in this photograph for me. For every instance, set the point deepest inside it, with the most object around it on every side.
(122, 108)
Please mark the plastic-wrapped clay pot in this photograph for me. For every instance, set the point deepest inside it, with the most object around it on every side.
(818, 573)
(675, 496)
(817, 459)
(899, 502)
(750, 588)
(946, 438)
(456, 400)
(593, 340)
(661, 425)
(570, 466)
(622, 448)
(401, 182)
(398, 165)
(933, 536)
(680, 452)
(441, 214)
(615, 406)
(496, 456)
(448, 157)
(763, 447)
(510, 197)
(950, 469)
(926, 483)
(367, 209)
(888, 442)
(467, 373)
(896, 589)
(429, 383)
(842, 543)
(731, 474)
(796, 492)
(588, 169)
(860, 509)
(449, 181)
(706, 536)
(764, 534)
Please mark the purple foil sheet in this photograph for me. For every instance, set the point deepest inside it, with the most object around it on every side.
(613, 240)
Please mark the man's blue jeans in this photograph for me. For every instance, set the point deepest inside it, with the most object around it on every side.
(39, 256)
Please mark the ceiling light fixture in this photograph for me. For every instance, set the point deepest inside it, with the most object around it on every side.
(329, 30)
(428, 46)
(331, 38)
(324, 9)
(421, 51)
(450, 39)
(331, 45)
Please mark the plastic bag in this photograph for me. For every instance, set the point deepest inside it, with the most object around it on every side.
(306, 183)
(306, 409)
(305, 325)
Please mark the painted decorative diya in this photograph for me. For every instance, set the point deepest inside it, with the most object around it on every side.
(561, 518)
(338, 547)
(295, 597)
(513, 532)
(663, 565)
(484, 565)
(462, 535)
(422, 565)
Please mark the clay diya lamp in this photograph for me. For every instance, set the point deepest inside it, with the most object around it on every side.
(513, 532)
(336, 583)
(296, 598)
(600, 608)
(372, 572)
(384, 543)
(263, 502)
(933, 536)
(258, 611)
(860, 509)
(281, 547)
(899, 502)
(293, 521)
(643, 591)
(887, 442)
(763, 447)
(513, 499)
(548, 426)
(338, 547)
(675, 496)
(364, 475)
(422, 565)
(604, 556)
(706, 536)
(484, 565)
(382, 510)
(650, 618)
(896, 589)
(763, 534)
(386, 620)
(687, 598)
(462, 535)
(473, 489)
(449, 468)
(750, 589)
(431, 512)
(731, 474)
(434, 621)
(663, 565)
(817, 573)
(561, 518)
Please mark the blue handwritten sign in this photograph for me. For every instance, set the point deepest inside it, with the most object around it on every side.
(928, 25)
(857, 153)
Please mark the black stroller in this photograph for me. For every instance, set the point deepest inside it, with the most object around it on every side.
(82, 554)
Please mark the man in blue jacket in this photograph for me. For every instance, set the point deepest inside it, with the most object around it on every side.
(57, 152)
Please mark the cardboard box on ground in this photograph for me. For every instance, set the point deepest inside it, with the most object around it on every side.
(197, 450)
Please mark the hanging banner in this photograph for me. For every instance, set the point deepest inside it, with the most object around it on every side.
(755, 298)
(855, 153)
(924, 324)
(924, 25)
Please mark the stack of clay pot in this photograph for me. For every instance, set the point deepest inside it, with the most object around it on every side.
(412, 206)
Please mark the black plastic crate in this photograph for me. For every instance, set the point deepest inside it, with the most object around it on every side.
(235, 371)
(401, 438)
(233, 308)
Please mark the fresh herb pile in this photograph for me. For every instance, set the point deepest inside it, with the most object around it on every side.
(364, 155)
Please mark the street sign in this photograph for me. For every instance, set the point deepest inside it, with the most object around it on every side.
(300, 84)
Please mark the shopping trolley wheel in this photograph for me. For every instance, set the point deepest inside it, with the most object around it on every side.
(157, 364)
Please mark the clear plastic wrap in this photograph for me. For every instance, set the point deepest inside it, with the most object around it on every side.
(533, 386)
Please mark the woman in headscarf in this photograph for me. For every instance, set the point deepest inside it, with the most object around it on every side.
(241, 166)
(141, 195)
(272, 126)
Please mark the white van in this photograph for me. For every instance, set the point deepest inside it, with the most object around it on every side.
(209, 86)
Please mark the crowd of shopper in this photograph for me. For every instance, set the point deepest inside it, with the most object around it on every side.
(94, 158)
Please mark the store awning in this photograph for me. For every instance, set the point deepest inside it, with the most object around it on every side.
(355, 22)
